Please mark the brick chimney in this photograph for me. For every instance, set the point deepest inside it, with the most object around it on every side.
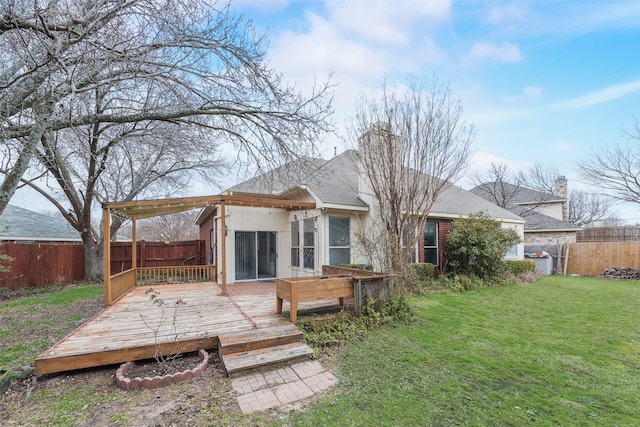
(560, 190)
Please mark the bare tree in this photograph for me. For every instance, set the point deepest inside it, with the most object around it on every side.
(616, 169)
(167, 228)
(412, 144)
(74, 63)
(513, 191)
(521, 191)
(498, 184)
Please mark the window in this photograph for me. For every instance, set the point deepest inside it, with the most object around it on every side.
(295, 244)
(308, 240)
(512, 251)
(339, 240)
(409, 236)
(431, 242)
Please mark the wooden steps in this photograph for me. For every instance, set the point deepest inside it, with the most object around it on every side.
(243, 351)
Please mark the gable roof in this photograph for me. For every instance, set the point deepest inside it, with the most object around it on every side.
(332, 181)
(17, 223)
(335, 181)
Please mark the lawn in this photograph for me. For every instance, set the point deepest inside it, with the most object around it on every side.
(561, 351)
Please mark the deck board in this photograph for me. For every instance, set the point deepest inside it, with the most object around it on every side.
(118, 333)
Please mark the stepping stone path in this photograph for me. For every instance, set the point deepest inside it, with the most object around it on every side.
(260, 391)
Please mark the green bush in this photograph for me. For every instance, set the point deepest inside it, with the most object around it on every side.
(518, 267)
(424, 270)
(477, 245)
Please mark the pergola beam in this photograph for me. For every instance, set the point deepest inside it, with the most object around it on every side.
(140, 209)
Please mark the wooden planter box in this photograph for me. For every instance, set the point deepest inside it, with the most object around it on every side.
(300, 289)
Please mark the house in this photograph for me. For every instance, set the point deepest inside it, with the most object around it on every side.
(545, 213)
(265, 243)
(23, 225)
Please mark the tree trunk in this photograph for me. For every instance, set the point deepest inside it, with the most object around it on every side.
(93, 252)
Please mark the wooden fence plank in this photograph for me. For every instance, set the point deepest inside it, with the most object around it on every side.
(592, 258)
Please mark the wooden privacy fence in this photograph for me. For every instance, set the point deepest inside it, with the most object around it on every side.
(39, 264)
(157, 254)
(592, 258)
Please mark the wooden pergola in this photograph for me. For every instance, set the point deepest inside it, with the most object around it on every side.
(117, 285)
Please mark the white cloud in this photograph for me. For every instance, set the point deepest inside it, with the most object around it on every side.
(533, 92)
(385, 22)
(562, 146)
(481, 162)
(506, 52)
(507, 14)
(598, 97)
(262, 5)
(530, 93)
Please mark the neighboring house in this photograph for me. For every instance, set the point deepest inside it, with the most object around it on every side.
(22, 225)
(265, 243)
(545, 214)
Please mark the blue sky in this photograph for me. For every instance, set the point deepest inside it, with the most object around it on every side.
(544, 81)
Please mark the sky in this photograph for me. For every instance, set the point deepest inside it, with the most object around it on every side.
(542, 81)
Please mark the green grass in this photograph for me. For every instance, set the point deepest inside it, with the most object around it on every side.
(562, 351)
(35, 313)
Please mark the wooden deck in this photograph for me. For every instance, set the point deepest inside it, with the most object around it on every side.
(133, 328)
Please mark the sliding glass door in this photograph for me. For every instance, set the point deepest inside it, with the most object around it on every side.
(256, 255)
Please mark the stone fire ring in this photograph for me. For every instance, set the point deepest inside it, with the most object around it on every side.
(159, 381)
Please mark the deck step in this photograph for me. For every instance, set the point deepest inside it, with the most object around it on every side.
(258, 338)
(252, 359)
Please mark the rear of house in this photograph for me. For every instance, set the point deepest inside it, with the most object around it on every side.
(266, 243)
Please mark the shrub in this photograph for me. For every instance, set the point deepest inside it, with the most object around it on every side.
(347, 325)
(477, 245)
(424, 270)
(518, 267)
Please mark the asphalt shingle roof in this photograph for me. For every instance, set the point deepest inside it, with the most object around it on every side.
(17, 223)
(335, 181)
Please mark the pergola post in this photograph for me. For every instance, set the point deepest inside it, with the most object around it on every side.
(134, 245)
(223, 248)
(106, 254)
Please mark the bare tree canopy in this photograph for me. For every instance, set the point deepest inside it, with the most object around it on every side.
(616, 168)
(412, 143)
(523, 192)
(74, 63)
(167, 228)
(588, 208)
(508, 189)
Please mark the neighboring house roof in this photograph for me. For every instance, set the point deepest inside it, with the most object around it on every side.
(538, 222)
(17, 223)
(519, 195)
(335, 182)
(520, 198)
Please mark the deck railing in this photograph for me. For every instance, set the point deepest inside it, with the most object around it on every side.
(176, 274)
(143, 276)
(120, 283)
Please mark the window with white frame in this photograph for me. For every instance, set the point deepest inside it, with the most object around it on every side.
(309, 243)
(295, 244)
(339, 240)
(430, 245)
(512, 251)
